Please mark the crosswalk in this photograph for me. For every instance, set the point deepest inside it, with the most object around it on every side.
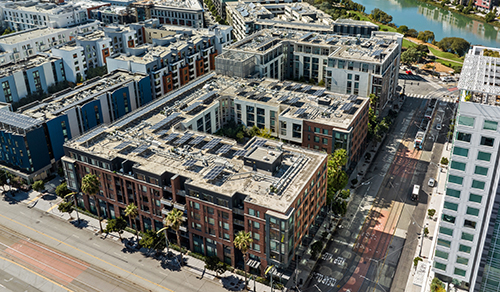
(444, 98)
(409, 77)
(416, 95)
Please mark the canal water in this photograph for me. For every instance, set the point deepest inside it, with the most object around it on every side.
(422, 16)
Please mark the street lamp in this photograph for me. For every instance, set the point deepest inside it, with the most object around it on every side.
(76, 206)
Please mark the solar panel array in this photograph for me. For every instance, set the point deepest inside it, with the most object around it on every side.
(192, 107)
(308, 87)
(347, 106)
(286, 84)
(171, 137)
(184, 138)
(197, 140)
(140, 149)
(206, 96)
(89, 135)
(377, 53)
(122, 145)
(165, 121)
(352, 97)
(273, 84)
(189, 163)
(214, 173)
(296, 86)
(162, 132)
(259, 143)
(319, 92)
(301, 111)
(211, 144)
(240, 153)
(224, 149)
(294, 100)
(283, 98)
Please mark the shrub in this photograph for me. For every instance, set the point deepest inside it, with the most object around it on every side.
(444, 161)
(416, 260)
(431, 213)
(38, 186)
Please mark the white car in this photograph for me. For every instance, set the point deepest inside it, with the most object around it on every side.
(431, 182)
(438, 127)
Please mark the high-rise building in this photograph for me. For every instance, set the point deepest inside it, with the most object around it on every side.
(468, 243)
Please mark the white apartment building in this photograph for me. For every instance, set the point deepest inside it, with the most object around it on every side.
(75, 65)
(30, 42)
(468, 242)
(182, 12)
(30, 14)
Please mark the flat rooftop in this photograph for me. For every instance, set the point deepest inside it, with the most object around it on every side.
(181, 4)
(481, 75)
(27, 63)
(376, 48)
(51, 8)
(55, 105)
(28, 35)
(93, 36)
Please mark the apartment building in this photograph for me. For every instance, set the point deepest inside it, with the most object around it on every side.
(32, 139)
(183, 13)
(33, 74)
(19, 45)
(346, 65)
(249, 17)
(468, 241)
(268, 188)
(172, 62)
(113, 14)
(31, 14)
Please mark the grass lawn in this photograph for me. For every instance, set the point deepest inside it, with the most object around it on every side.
(446, 55)
(407, 43)
(448, 63)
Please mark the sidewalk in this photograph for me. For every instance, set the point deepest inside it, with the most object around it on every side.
(49, 202)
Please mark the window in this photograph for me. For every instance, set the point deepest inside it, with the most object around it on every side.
(470, 224)
(484, 156)
(196, 206)
(472, 211)
(486, 141)
(450, 206)
(461, 151)
(225, 225)
(476, 184)
(490, 125)
(452, 193)
(481, 170)
(475, 198)
(447, 231)
(462, 260)
(316, 139)
(466, 121)
(445, 243)
(441, 254)
(467, 236)
(226, 236)
(464, 248)
(325, 131)
(349, 76)
(440, 266)
(459, 272)
(465, 137)
(211, 221)
(256, 247)
(316, 130)
(448, 218)
(455, 179)
(458, 165)
(325, 141)
(210, 210)
(256, 236)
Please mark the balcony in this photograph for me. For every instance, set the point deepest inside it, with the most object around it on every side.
(180, 206)
(164, 211)
(181, 193)
(238, 211)
(166, 202)
(239, 222)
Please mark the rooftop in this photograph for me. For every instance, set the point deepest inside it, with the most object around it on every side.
(25, 64)
(17, 123)
(25, 35)
(181, 4)
(58, 103)
(51, 8)
(480, 76)
(93, 36)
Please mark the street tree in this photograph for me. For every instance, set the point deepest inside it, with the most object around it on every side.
(444, 161)
(174, 220)
(410, 56)
(132, 212)
(4, 175)
(62, 190)
(416, 260)
(455, 45)
(337, 177)
(90, 186)
(213, 263)
(153, 241)
(117, 225)
(66, 207)
(38, 186)
(431, 213)
(242, 241)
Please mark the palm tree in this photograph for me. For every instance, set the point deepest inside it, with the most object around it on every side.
(132, 212)
(174, 220)
(243, 241)
(90, 186)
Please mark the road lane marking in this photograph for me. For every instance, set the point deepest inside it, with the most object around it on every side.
(51, 208)
(34, 199)
(86, 253)
(21, 266)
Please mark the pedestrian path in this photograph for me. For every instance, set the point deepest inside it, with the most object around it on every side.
(48, 203)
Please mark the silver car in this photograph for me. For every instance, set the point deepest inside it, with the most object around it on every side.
(431, 182)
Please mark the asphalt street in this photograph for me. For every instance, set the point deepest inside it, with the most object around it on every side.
(58, 254)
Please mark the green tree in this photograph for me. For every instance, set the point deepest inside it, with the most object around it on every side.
(90, 186)
(97, 71)
(455, 45)
(337, 177)
(174, 220)
(213, 263)
(426, 231)
(153, 241)
(437, 285)
(4, 175)
(444, 161)
(490, 16)
(38, 186)
(431, 212)
(66, 207)
(426, 36)
(380, 16)
(242, 241)
(62, 190)
(116, 225)
(403, 29)
(131, 211)
(410, 56)
(413, 33)
(416, 260)
(373, 100)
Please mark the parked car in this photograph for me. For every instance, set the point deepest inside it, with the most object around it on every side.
(438, 127)
(409, 72)
(431, 182)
